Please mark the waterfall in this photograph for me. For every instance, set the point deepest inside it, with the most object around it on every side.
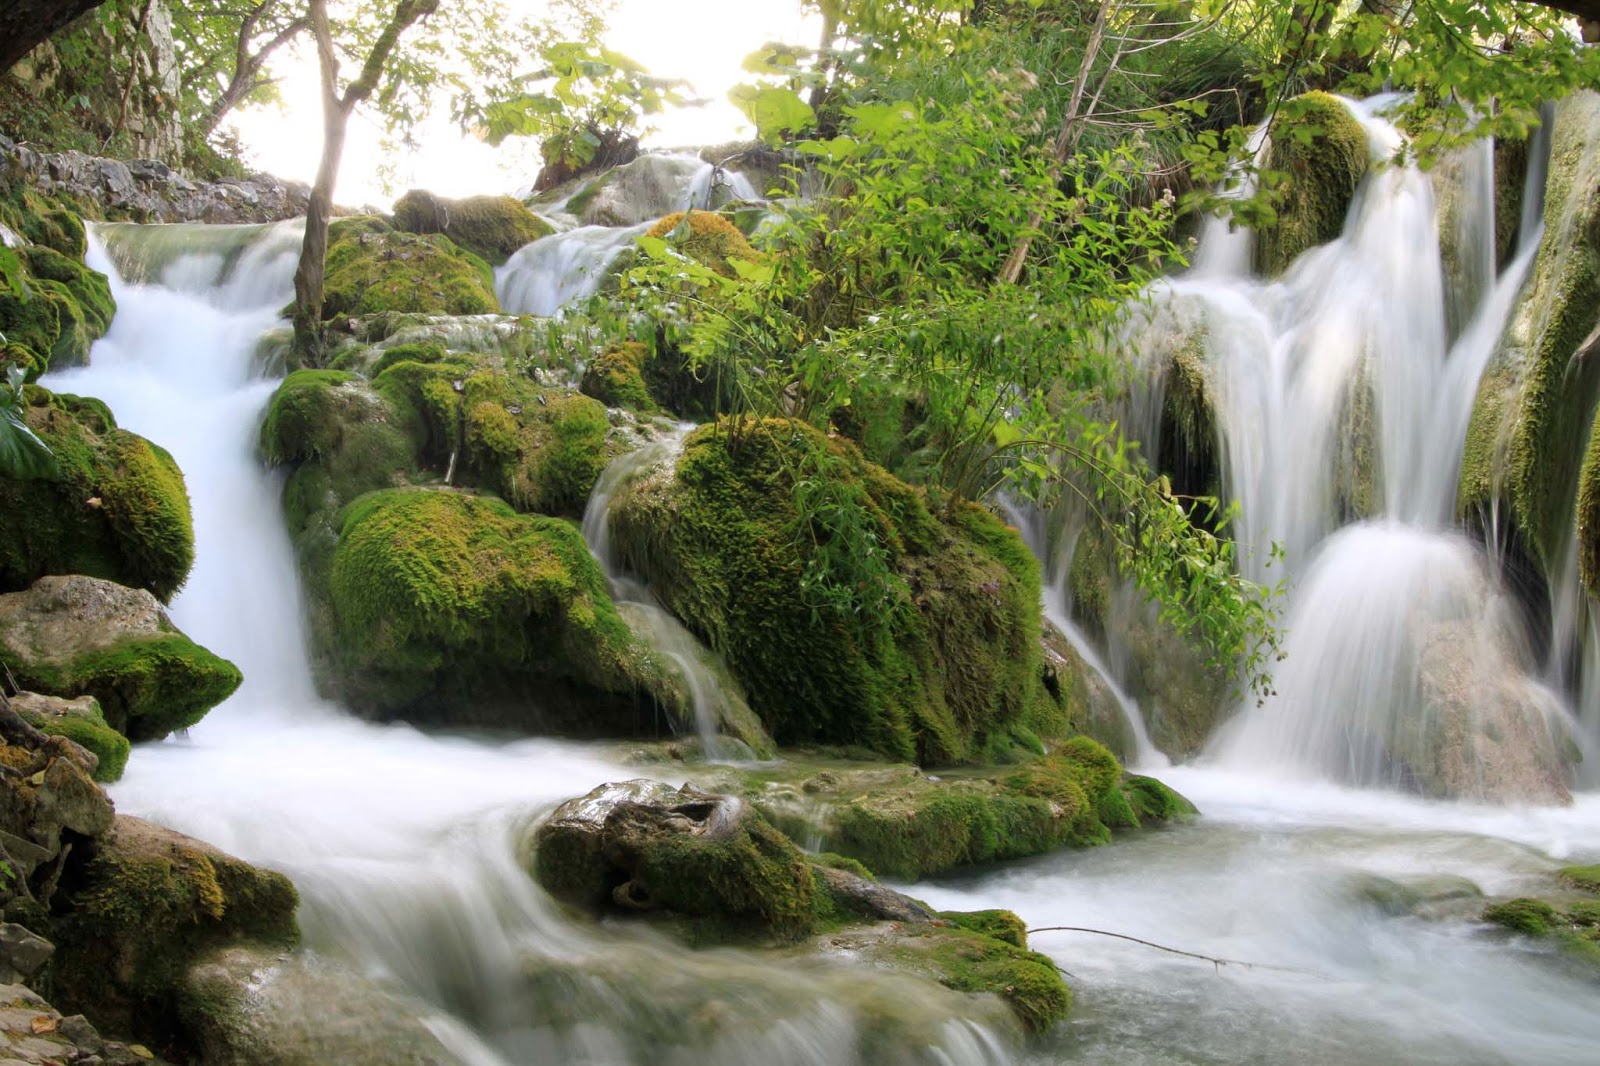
(406, 847)
(1342, 407)
(708, 692)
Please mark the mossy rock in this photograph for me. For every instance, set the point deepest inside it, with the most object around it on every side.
(955, 666)
(142, 909)
(1533, 917)
(541, 449)
(76, 636)
(373, 268)
(1527, 445)
(1324, 150)
(708, 239)
(1585, 878)
(80, 721)
(959, 955)
(455, 608)
(52, 306)
(115, 505)
(492, 227)
(615, 377)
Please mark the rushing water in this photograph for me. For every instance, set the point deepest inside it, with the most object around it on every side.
(405, 845)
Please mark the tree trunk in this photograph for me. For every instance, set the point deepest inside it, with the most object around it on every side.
(310, 272)
(26, 24)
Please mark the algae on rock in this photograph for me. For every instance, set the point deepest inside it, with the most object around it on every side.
(115, 505)
(75, 636)
(491, 227)
(1324, 150)
(954, 674)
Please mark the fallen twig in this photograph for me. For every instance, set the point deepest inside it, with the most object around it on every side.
(1216, 962)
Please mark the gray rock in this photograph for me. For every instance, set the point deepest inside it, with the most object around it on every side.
(22, 953)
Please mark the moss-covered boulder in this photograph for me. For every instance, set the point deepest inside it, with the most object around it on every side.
(615, 377)
(114, 506)
(1324, 151)
(707, 238)
(950, 668)
(491, 227)
(539, 448)
(52, 306)
(80, 636)
(714, 869)
(454, 608)
(80, 721)
(373, 268)
(1530, 428)
(141, 908)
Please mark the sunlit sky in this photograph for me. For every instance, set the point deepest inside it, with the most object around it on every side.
(702, 41)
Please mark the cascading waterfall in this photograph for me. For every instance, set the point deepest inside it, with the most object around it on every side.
(1339, 394)
(405, 846)
(571, 265)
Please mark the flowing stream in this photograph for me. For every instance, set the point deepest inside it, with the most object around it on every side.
(405, 845)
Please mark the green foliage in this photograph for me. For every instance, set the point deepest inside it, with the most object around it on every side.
(113, 505)
(22, 454)
(878, 287)
(706, 237)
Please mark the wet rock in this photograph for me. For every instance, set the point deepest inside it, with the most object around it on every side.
(647, 188)
(493, 227)
(80, 721)
(149, 191)
(145, 906)
(71, 636)
(248, 1006)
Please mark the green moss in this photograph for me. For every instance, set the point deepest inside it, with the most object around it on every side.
(543, 454)
(1003, 926)
(1153, 801)
(835, 861)
(115, 507)
(1534, 917)
(87, 728)
(1324, 151)
(722, 542)
(1528, 437)
(968, 961)
(1584, 877)
(418, 352)
(373, 269)
(709, 239)
(441, 597)
(147, 687)
(615, 377)
(493, 227)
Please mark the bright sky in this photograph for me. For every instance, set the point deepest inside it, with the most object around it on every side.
(703, 41)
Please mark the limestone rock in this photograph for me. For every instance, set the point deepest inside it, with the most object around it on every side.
(72, 635)
(22, 953)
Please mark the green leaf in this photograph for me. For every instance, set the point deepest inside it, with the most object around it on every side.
(775, 111)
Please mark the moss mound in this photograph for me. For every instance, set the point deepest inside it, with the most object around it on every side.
(115, 506)
(709, 239)
(961, 957)
(541, 449)
(52, 308)
(1073, 798)
(615, 377)
(492, 227)
(373, 268)
(1529, 441)
(444, 600)
(1323, 149)
(144, 907)
(952, 673)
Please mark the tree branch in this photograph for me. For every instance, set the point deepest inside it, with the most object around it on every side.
(405, 14)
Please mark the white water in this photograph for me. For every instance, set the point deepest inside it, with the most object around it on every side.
(554, 271)
(1340, 396)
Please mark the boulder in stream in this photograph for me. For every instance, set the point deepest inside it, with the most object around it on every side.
(491, 227)
(82, 636)
(373, 268)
